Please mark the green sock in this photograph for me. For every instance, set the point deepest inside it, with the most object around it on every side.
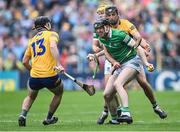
(119, 108)
(114, 116)
(125, 109)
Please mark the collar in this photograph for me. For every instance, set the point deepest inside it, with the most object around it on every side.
(110, 33)
(41, 29)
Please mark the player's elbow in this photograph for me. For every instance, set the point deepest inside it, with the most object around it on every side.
(25, 63)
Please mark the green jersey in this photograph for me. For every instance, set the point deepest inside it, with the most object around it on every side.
(117, 45)
(95, 35)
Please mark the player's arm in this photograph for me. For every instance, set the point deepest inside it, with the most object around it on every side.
(108, 56)
(143, 43)
(98, 51)
(27, 58)
(91, 57)
(136, 45)
(136, 36)
(142, 54)
(55, 52)
(96, 45)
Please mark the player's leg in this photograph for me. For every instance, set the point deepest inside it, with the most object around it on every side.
(105, 112)
(119, 100)
(109, 94)
(126, 75)
(57, 90)
(107, 74)
(27, 103)
(141, 78)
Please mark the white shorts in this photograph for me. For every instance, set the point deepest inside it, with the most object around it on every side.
(134, 63)
(107, 67)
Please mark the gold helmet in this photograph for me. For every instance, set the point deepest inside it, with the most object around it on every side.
(101, 9)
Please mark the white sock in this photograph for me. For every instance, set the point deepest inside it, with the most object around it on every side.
(105, 113)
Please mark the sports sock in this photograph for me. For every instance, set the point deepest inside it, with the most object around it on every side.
(106, 109)
(114, 116)
(104, 113)
(154, 104)
(24, 113)
(119, 108)
(49, 116)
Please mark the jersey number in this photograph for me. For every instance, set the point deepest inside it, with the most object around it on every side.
(41, 46)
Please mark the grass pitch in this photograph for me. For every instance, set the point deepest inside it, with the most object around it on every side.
(79, 112)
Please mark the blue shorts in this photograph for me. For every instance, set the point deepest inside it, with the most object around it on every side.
(48, 82)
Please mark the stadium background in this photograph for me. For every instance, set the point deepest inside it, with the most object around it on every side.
(157, 20)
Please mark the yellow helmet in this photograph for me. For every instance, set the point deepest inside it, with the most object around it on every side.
(101, 9)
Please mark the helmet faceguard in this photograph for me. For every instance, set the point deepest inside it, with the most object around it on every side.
(102, 27)
(101, 23)
(112, 11)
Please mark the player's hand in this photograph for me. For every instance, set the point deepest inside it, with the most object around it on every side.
(150, 67)
(116, 65)
(59, 69)
(91, 57)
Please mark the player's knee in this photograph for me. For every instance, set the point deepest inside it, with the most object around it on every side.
(60, 89)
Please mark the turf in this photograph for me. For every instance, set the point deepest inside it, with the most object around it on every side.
(79, 112)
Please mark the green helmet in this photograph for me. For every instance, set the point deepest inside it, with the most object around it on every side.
(101, 23)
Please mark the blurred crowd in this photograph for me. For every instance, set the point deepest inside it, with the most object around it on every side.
(158, 21)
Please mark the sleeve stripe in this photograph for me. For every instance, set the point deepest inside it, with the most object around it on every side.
(131, 43)
(126, 39)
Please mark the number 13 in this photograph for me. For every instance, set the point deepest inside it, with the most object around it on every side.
(41, 46)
